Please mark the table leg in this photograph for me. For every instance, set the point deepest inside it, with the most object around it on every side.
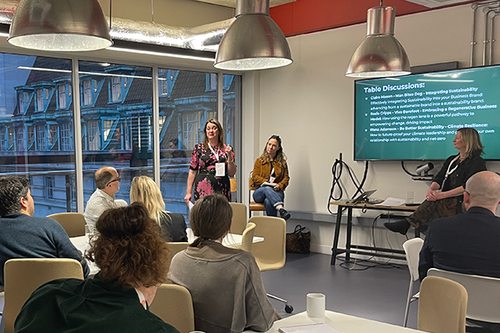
(336, 235)
(348, 236)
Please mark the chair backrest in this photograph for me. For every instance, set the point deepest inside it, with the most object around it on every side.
(176, 247)
(23, 276)
(73, 223)
(247, 237)
(173, 304)
(442, 306)
(269, 254)
(412, 249)
(240, 219)
(484, 294)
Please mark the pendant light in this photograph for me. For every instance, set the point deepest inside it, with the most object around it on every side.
(380, 54)
(59, 25)
(253, 41)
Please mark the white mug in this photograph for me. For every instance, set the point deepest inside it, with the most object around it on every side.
(316, 305)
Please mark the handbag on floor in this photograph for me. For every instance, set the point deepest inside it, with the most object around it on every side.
(298, 241)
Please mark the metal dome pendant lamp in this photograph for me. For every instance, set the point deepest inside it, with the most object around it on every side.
(253, 41)
(380, 54)
(59, 25)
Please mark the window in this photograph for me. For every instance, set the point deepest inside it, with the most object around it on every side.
(190, 129)
(87, 92)
(53, 137)
(50, 184)
(66, 136)
(211, 81)
(20, 138)
(39, 100)
(93, 135)
(10, 138)
(2, 138)
(116, 89)
(41, 142)
(62, 96)
(31, 136)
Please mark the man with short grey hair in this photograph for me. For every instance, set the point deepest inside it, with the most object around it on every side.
(467, 243)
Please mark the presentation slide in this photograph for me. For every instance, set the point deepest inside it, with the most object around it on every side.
(415, 117)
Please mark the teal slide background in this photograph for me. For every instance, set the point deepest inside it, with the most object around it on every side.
(415, 117)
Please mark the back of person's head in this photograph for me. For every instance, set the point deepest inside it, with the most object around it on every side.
(210, 217)
(484, 189)
(471, 141)
(143, 189)
(128, 247)
(12, 189)
(102, 177)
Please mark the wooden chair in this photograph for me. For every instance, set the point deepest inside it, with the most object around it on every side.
(239, 222)
(73, 223)
(412, 249)
(247, 237)
(23, 276)
(271, 253)
(252, 205)
(442, 306)
(174, 305)
(483, 291)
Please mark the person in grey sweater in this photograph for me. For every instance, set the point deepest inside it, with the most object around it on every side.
(25, 236)
(225, 284)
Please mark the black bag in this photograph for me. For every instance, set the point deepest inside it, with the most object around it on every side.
(299, 240)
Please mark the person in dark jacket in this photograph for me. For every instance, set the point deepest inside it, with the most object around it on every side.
(25, 236)
(445, 195)
(117, 299)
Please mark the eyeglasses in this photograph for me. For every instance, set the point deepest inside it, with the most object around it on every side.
(114, 180)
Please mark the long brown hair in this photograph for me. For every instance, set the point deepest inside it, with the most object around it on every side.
(128, 247)
(280, 157)
(220, 136)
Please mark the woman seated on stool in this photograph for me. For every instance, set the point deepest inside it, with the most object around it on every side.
(132, 257)
(226, 286)
(173, 226)
(270, 178)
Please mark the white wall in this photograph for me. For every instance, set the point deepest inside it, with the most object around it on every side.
(310, 104)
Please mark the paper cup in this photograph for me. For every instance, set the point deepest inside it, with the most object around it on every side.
(316, 305)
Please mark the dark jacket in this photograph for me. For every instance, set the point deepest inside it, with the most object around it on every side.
(465, 243)
(23, 236)
(92, 305)
(173, 227)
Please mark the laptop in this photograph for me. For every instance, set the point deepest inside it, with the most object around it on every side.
(363, 197)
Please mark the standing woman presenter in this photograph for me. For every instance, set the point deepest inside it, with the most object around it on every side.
(445, 195)
(212, 163)
(270, 178)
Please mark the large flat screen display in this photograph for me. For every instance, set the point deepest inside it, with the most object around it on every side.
(415, 117)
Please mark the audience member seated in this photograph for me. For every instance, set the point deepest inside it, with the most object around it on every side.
(226, 286)
(173, 226)
(107, 181)
(467, 243)
(118, 297)
(25, 236)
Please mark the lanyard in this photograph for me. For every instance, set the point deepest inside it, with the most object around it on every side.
(213, 152)
(450, 170)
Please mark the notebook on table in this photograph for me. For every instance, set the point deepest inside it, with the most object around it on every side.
(312, 328)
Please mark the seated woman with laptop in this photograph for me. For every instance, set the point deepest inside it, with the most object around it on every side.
(225, 283)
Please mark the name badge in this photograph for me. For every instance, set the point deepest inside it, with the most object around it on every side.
(220, 169)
